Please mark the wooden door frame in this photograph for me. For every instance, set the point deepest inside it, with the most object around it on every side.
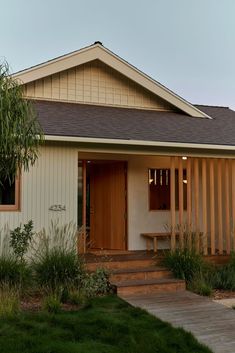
(84, 214)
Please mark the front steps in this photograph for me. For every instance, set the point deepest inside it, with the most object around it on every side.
(136, 273)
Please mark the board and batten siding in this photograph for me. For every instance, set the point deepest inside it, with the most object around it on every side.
(52, 181)
(95, 83)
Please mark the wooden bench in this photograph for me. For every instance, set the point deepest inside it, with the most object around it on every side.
(153, 237)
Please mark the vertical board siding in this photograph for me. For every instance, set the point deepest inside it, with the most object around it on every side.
(95, 83)
(52, 181)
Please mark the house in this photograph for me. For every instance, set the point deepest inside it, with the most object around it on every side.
(124, 155)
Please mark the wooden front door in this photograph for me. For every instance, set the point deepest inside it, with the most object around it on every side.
(108, 205)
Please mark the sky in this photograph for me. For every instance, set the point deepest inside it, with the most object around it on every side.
(187, 45)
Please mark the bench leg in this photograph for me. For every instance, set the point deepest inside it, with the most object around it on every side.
(155, 244)
(148, 244)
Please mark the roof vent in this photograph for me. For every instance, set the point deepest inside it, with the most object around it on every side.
(98, 42)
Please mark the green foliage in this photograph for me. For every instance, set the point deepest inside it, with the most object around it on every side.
(224, 276)
(58, 269)
(9, 301)
(75, 297)
(52, 303)
(184, 263)
(20, 239)
(96, 283)
(14, 272)
(20, 132)
(200, 286)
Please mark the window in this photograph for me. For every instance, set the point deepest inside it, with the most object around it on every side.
(159, 189)
(9, 195)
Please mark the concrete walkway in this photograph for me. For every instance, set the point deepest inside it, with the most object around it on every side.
(211, 323)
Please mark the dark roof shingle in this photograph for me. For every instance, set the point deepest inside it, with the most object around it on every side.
(83, 120)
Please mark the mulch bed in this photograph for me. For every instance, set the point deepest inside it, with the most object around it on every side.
(35, 304)
(222, 294)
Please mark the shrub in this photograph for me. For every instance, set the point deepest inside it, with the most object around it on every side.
(75, 297)
(58, 269)
(9, 301)
(200, 286)
(20, 239)
(52, 303)
(224, 277)
(184, 263)
(14, 272)
(96, 283)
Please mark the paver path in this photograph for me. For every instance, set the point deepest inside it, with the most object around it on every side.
(211, 323)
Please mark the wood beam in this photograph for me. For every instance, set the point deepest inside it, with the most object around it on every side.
(219, 192)
(172, 193)
(227, 207)
(196, 198)
(233, 202)
(181, 202)
(189, 201)
(212, 207)
(204, 205)
(84, 196)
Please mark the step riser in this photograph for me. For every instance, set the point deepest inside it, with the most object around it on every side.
(117, 265)
(140, 276)
(151, 288)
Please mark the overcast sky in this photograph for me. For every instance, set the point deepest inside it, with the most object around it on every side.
(187, 45)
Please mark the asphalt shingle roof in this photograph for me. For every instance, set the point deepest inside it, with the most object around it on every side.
(82, 120)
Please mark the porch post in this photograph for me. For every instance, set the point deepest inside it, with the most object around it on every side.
(212, 206)
(204, 206)
(196, 198)
(227, 207)
(172, 193)
(233, 202)
(181, 201)
(219, 191)
(189, 201)
(84, 204)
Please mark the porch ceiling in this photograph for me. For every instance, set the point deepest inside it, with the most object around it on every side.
(81, 120)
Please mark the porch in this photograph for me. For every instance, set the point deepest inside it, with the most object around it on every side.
(193, 196)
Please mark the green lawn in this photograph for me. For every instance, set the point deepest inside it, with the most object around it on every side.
(105, 325)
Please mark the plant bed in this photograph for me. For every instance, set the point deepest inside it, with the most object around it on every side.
(105, 325)
(218, 294)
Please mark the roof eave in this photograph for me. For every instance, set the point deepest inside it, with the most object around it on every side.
(143, 143)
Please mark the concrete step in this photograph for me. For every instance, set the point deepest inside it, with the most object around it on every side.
(144, 273)
(149, 286)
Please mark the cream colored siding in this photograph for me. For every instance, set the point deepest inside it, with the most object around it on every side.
(95, 83)
(52, 181)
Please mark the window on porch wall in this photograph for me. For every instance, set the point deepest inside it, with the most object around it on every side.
(9, 195)
(159, 189)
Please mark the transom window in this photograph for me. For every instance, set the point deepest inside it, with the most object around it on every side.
(159, 189)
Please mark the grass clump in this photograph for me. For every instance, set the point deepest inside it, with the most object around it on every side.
(52, 303)
(14, 272)
(184, 263)
(9, 301)
(58, 268)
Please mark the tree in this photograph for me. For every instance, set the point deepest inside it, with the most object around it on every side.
(20, 131)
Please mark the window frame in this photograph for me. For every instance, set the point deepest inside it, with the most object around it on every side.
(16, 207)
(163, 210)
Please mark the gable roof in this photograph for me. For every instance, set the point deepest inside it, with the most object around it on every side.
(98, 52)
(90, 123)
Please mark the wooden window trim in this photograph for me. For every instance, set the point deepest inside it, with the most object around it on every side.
(16, 206)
